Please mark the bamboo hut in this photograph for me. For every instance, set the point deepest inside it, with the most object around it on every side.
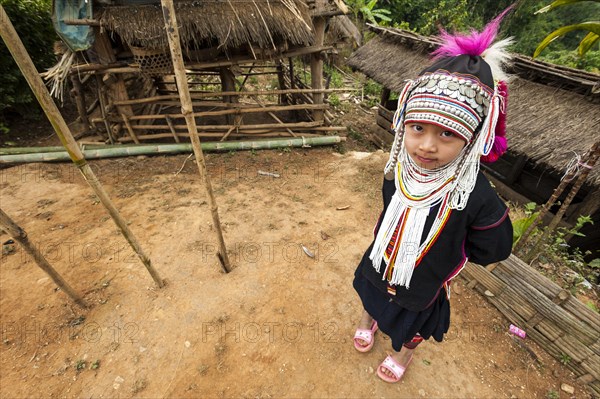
(554, 113)
(123, 80)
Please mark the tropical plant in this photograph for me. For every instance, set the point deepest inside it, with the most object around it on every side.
(521, 225)
(367, 12)
(592, 27)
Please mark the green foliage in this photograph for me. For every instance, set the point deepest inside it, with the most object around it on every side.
(589, 62)
(336, 79)
(552, 394)
(521, 225)
(366, 11)
(565, 359)
(591, 305)
(573, 257)
(334, 100)
(592, 27)
(31, 19)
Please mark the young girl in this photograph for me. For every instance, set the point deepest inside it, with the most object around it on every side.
(439, 210)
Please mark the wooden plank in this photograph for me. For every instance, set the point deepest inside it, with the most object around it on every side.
(487, 279)
(386, 113)
(295, 125)
(518, 268)
(218, 135)
(246, 60)
(316, 66)
(384, 124)
(209, 94)
(383, 137)
(595, 347)
(583, 313)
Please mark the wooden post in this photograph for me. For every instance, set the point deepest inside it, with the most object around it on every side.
(116, 84)
(228, 84)
(187, 110)
(20, 236)
(545, 209)
(283, 98)
(102, 102)
(292, 83)
(316, 67)
(589, 161)
(589, 205)
(16, 48)
(516, 170)
(77, 93)
(385, 96)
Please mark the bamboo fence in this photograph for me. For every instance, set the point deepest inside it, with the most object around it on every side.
(550, 315)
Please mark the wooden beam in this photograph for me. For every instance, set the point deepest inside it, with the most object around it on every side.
(246, 60)
(188, 111)
(88, 22)
(248, 93)
(20, 236)
(316, 66)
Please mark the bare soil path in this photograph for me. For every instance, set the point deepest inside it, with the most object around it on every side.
(279, 325)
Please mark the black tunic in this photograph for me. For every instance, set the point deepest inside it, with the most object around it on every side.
(482, 232)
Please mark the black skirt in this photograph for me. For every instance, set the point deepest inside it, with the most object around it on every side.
(401, 324)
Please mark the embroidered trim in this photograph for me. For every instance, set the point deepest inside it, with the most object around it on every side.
(491, 226)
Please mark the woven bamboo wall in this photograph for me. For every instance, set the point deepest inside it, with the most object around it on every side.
(550, 315)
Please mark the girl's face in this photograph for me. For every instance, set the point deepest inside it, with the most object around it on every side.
(431, 146)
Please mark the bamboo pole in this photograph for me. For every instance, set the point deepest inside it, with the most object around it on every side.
(232, 111)
(316, 66)
(248, 93)
(57, 154)
(16, 48)
(245, 60)
(545, 209)
(589, 160)
(172, 128)
(77, 93)
(130, 130)
(103, 105)
(259, 133)
(20, 236)
(281, 125)
(188, 111)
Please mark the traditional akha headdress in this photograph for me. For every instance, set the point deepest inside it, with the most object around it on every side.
(464, 91)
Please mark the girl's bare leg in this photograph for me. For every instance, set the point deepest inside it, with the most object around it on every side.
(365, 323)
(401, 357)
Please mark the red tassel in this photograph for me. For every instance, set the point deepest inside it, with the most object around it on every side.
(500, 144)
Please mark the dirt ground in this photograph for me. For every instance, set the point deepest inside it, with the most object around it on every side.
(279, 325)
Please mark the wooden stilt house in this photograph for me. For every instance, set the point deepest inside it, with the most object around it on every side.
(227, 45)
(553, 114)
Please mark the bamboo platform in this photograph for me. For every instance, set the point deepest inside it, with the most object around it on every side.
(550, 315)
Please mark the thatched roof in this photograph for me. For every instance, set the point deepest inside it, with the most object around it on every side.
(327, 8)
(229, 24)
(547, 121)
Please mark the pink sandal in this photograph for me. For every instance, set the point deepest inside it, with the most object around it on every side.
(365, 335)
(390, 364)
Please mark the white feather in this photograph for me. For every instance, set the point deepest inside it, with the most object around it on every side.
(498, 57)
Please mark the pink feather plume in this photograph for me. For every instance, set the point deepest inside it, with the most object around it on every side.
(474, 43)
